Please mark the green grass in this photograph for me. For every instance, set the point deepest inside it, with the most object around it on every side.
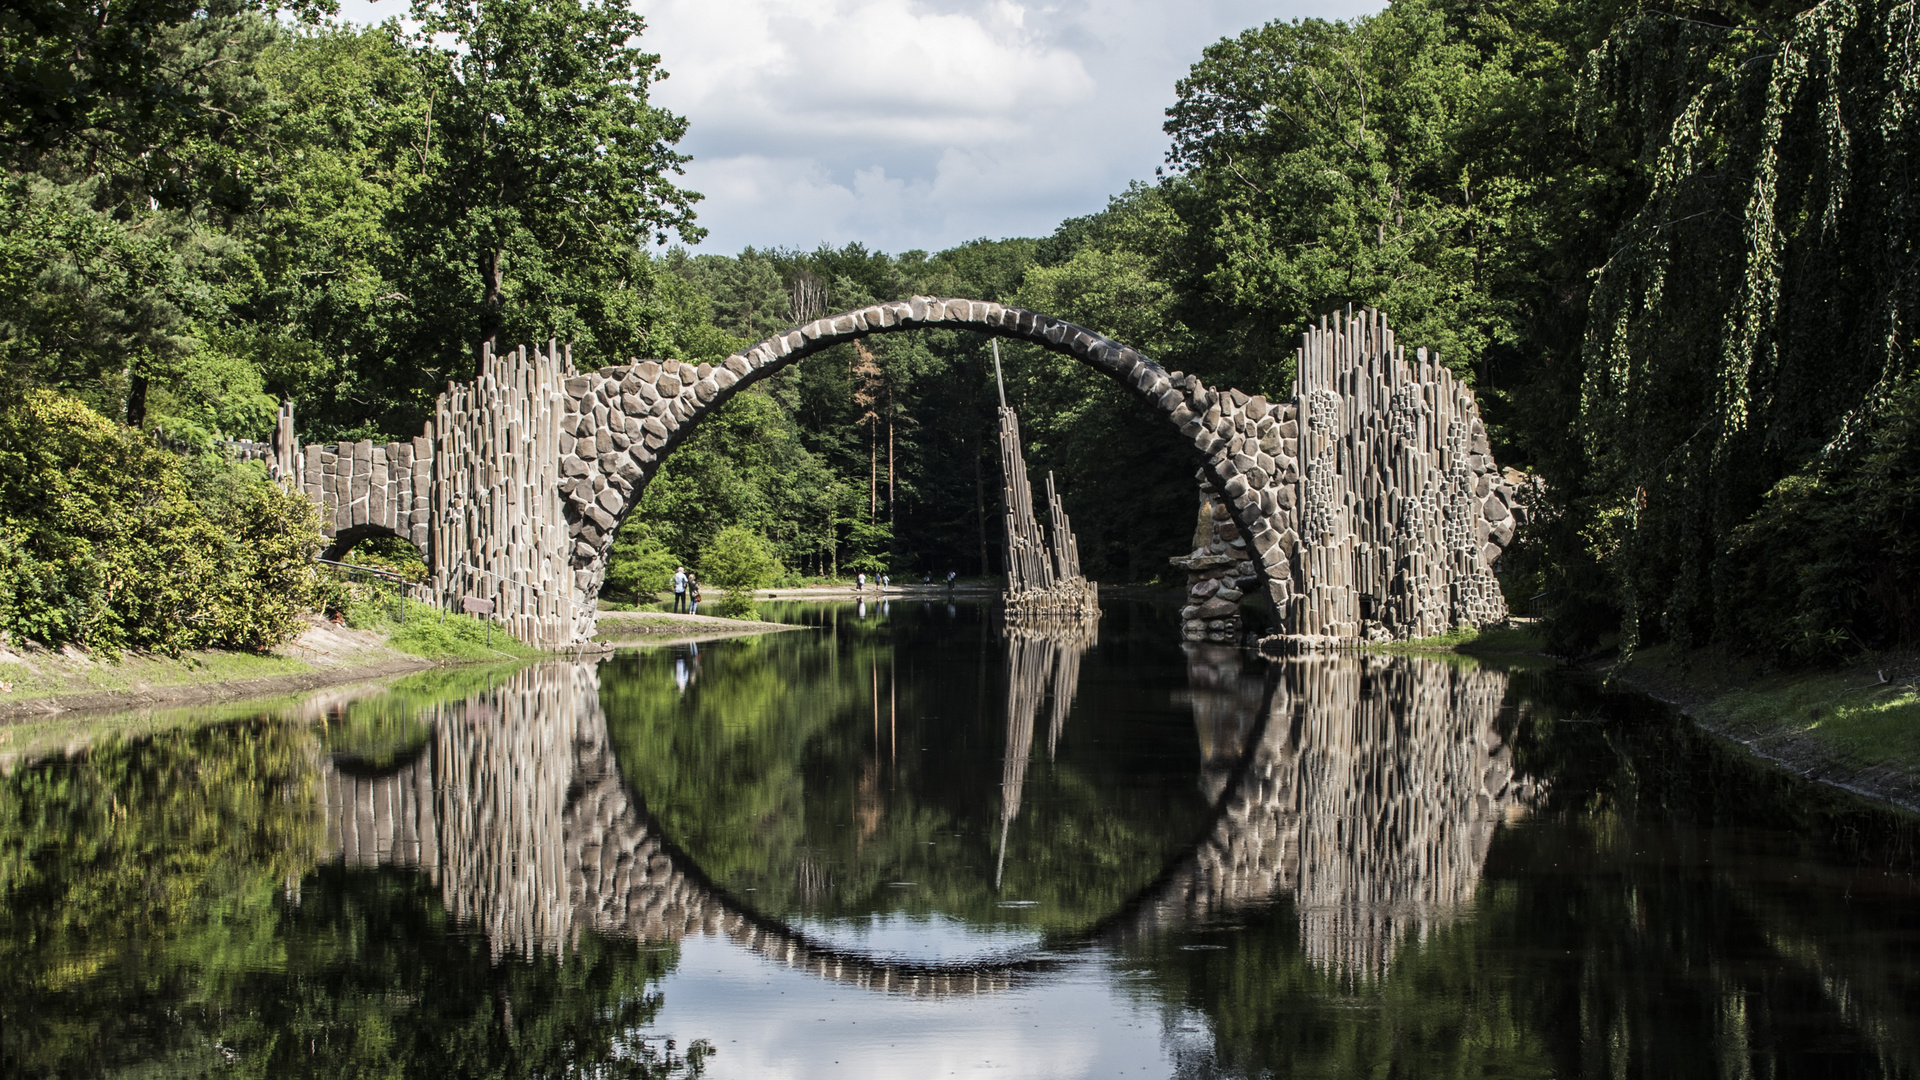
(1500, 641)
(133, 672)
(1865, 722)
(433, 634)
(1450, 641)
(1509, 640)
(1865, 716)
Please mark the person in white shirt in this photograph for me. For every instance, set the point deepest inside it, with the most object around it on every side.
(679, 588)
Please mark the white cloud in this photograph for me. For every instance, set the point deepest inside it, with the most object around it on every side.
(922, 123)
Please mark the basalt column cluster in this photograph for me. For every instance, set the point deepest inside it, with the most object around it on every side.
(1377, 509)
(500, 530)
(1399, 512)
(1043, 580)
(479, 493)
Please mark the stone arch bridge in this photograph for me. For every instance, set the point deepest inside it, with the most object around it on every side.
(1366, 788)
(1367, 506)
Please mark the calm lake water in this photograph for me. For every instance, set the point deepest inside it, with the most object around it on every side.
(901, 843)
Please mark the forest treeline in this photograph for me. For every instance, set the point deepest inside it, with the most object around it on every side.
(1673, 249)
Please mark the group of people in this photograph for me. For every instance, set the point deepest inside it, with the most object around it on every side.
(860, 580)
(686, 587)
(686, 591)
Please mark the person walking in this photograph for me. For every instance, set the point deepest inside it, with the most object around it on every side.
(679, 589)
(952, 576)
(693, 594)
(860, 582)
(884, 582)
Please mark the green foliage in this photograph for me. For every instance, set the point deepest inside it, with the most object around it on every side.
(1830, 564)
(641, 565)
(739, 561)
(103, 543)
(547, 175)
(392, 554)
(1374, 162)
(746, 465)
(1753, 323)
(116, 78)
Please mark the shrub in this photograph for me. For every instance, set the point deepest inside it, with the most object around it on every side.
(1830, 565)
(104, 543)
(739, 561)
(641, 564)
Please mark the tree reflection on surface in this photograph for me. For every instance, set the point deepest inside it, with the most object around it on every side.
(1322, 866)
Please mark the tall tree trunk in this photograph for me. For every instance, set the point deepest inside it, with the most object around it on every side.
(873, 472)
(890, 518)
(492, 299)
(980, 507)
(136, 401)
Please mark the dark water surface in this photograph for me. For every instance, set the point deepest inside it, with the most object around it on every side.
(901, 844)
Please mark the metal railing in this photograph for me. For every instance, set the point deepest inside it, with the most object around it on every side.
(403, 588)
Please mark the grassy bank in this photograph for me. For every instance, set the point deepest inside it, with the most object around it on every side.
(654, 626)
(425, 631)
(1856, 726)
(1511, 643)
(375, 640)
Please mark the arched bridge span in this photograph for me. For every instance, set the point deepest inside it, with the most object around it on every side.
(1375, 480)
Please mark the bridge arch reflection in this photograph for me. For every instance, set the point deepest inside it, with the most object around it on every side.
(1365, 788)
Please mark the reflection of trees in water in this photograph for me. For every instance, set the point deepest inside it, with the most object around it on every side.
(1043, 666)
(538, 839)
(509, 813)
(161, 914)
(1370, 795)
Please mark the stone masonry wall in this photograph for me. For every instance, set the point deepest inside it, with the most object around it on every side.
(1379, 517)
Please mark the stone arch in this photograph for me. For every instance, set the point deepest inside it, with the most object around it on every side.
(621, 422)
(1369, 505)
(343, 541)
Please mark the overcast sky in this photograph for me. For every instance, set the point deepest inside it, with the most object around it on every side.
(906, 124)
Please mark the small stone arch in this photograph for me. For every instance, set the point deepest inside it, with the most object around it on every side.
(343, 541)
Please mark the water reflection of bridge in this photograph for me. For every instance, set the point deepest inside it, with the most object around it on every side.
(1366, 788)
(1369, 794)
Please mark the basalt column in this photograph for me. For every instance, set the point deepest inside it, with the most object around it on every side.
(499, 532)
(1042, 583)
(1380, 512)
